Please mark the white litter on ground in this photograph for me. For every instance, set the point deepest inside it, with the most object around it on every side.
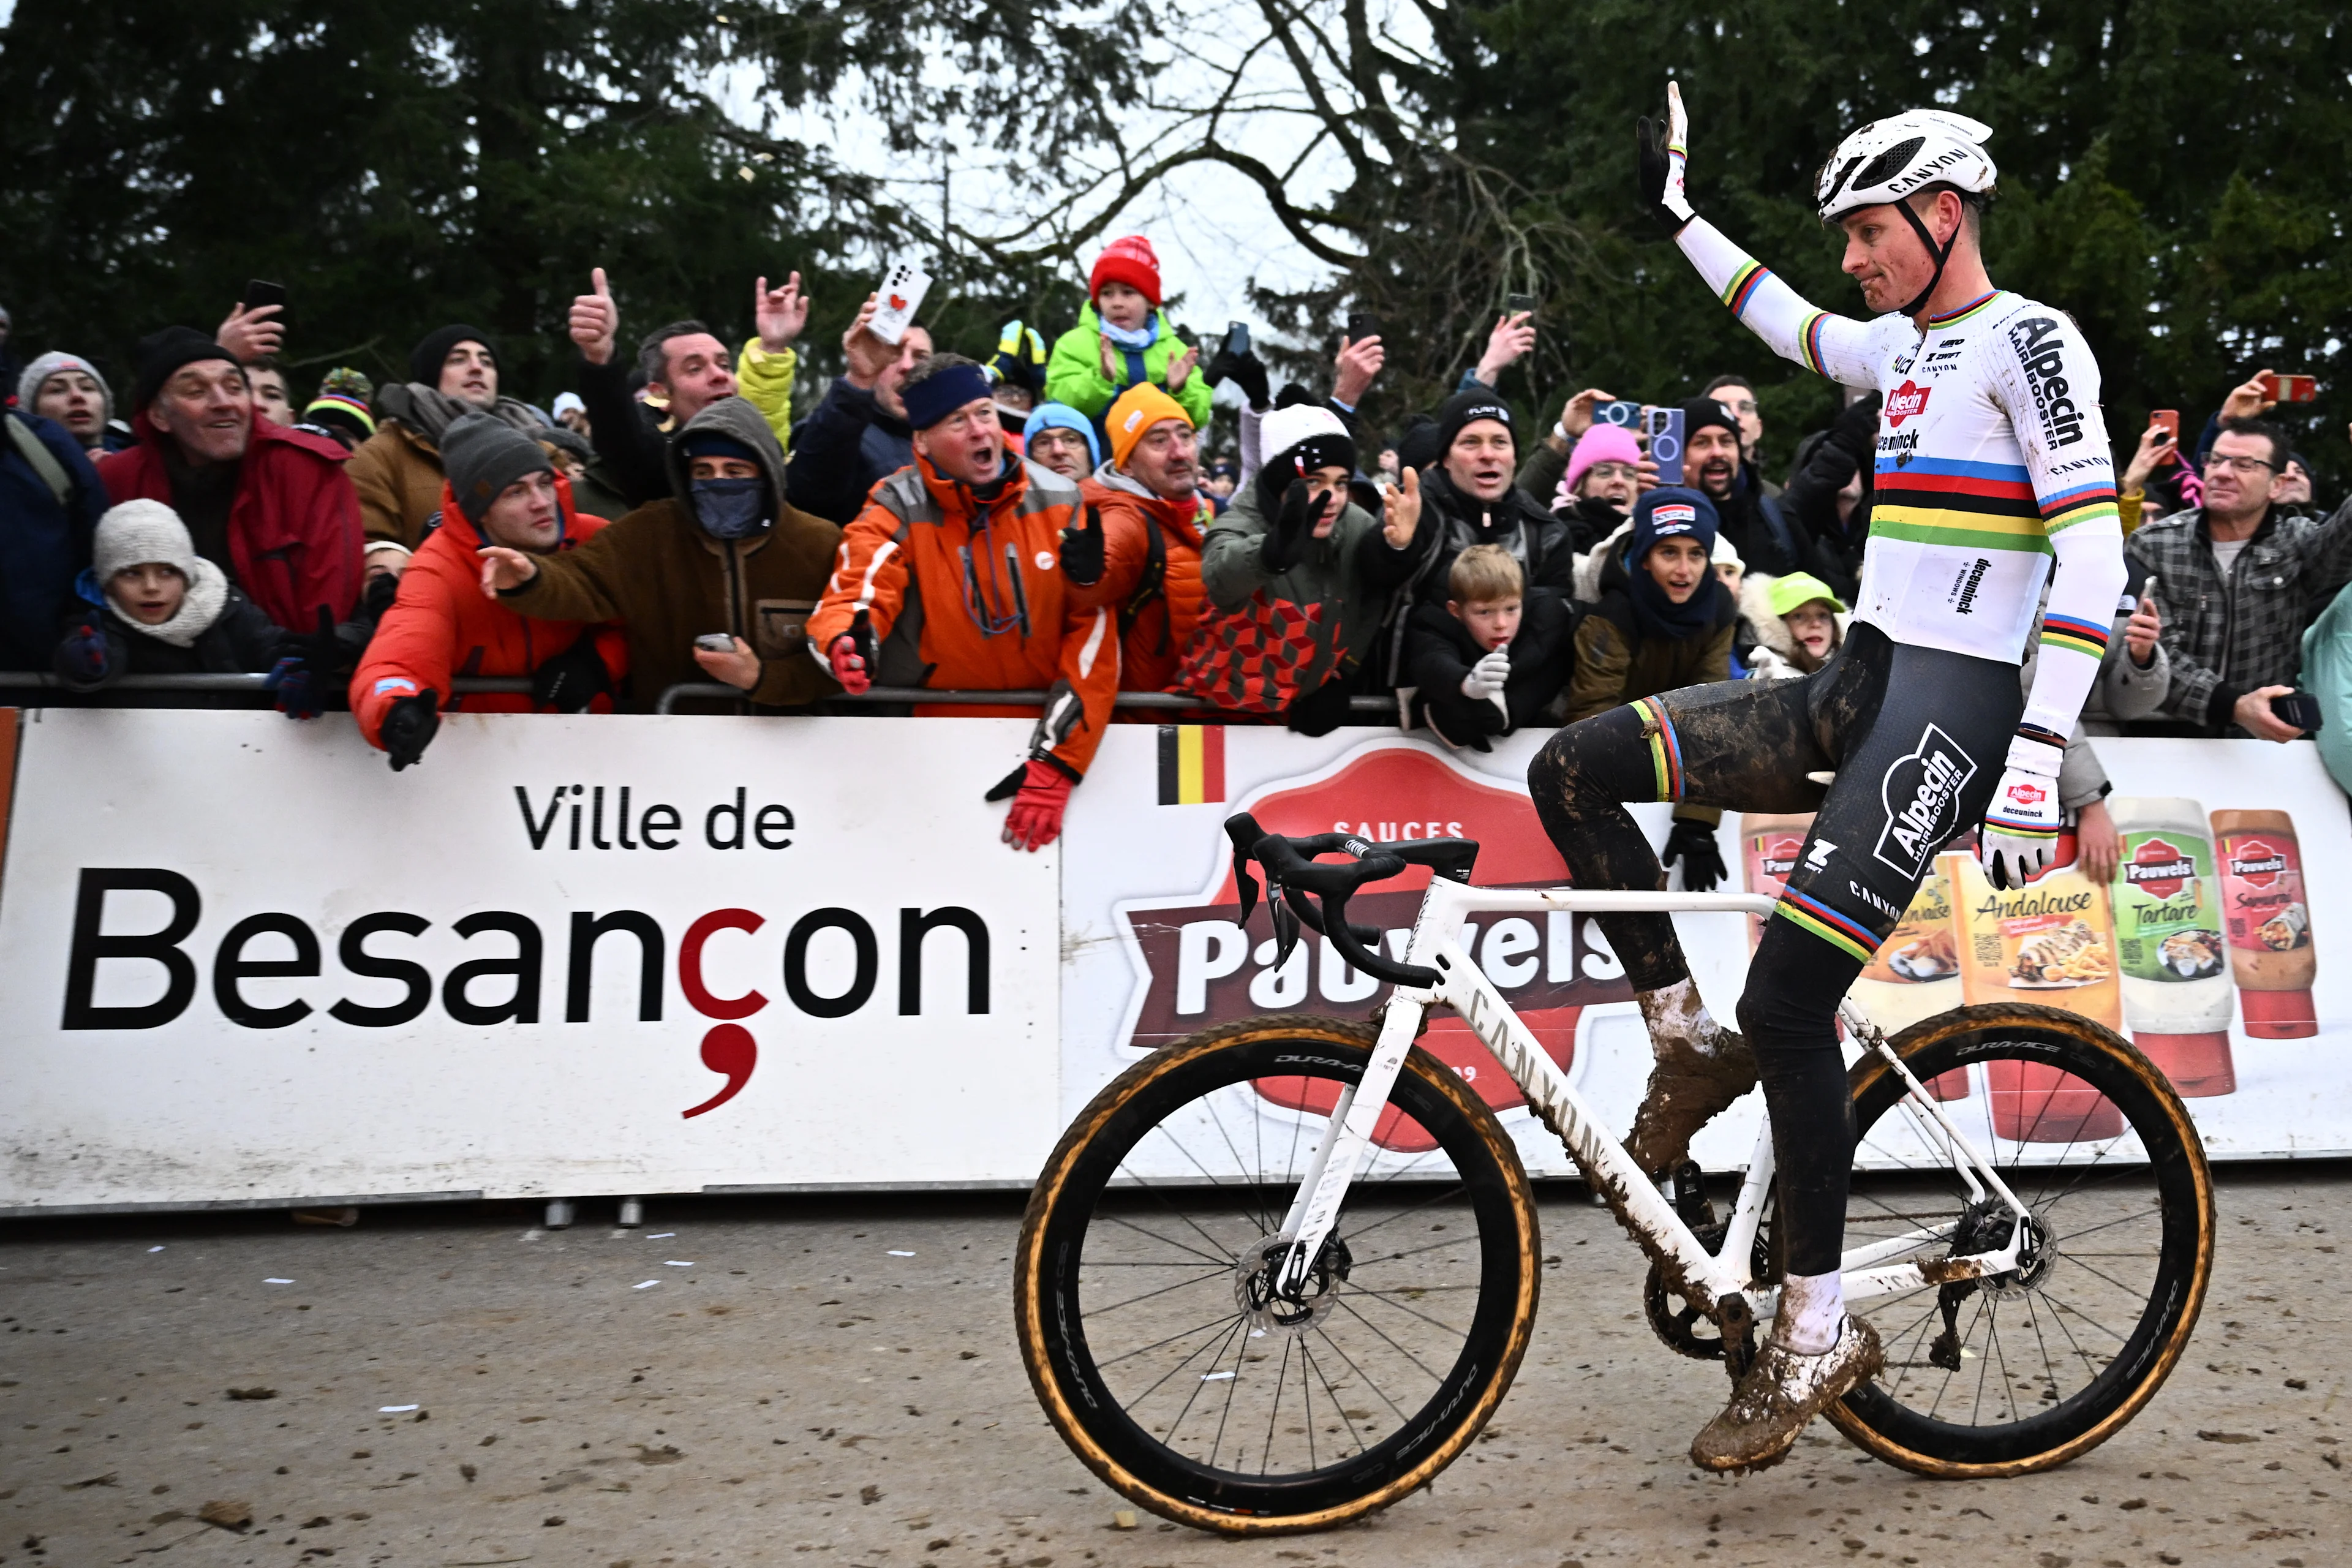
(394, 1409)
(277, 1282)
(155, 1249)
(1216, 1376)
(645, 1284)
(895, 1253)
(661, 1236)
(676, 1263)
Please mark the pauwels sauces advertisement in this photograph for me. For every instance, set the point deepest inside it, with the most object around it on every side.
(243, 960)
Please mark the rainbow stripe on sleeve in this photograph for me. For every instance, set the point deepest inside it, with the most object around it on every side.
(2076, 635)
(1743, 286)
(2082, 503)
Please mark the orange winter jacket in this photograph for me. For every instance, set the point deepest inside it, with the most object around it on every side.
(963, 597)
(1151, 574)
(441, 626)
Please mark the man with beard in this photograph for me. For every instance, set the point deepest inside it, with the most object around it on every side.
(1714, 463)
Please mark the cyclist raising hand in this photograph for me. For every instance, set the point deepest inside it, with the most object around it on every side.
(1993, 472)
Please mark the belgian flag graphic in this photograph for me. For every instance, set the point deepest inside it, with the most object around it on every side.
(1191, 764)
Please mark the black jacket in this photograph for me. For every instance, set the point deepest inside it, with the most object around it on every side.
(1451, 522)
(630, 450)
(1439, 651)
(1588, 522)
(240, 641)
(1825, 462)
(1767, 538)
(842, 450)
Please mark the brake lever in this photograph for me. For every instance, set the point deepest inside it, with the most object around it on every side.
(1285, 925)
(1243, 830)
(1342, 935)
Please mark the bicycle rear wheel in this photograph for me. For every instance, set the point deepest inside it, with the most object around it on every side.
(1139, 1282)
(2023, 1372)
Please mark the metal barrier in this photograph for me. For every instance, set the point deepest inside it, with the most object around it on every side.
(666, 703)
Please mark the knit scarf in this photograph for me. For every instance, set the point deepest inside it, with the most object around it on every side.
(206, 597)
(1656, 613)
(1134, 340)
(426, 411)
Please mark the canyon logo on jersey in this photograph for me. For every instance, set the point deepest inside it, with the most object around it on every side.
(2043, 352)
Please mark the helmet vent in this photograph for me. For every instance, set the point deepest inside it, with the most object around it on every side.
(1891, 162)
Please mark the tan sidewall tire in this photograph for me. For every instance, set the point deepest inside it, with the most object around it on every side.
(1979, 1019)
(1030, 1292)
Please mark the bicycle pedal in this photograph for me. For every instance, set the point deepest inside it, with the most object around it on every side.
(1690, 1197)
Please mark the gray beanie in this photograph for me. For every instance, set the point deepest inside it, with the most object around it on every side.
(139, 532)
(28, 385)
(482, 456)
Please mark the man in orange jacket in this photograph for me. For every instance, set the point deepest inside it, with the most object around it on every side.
(1153, 518)
(951, 577)
(500, 490)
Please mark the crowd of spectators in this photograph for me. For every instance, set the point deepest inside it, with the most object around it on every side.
(1045, 520)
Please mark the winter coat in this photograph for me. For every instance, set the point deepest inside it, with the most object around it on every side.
(843, 450)
(240, 640)
(632, 438)
(294, 539)
(1452, 522)
(1151, 573)
(1588, 522)
(1074, 373)
(44, 537)
(1615, 663)
(1439, 651)
(2227, 638)
(927, 559)
(441, 626)
(666, 582)
(1768, 538)
(1825, 462)
(397, 470)
(1351, 573)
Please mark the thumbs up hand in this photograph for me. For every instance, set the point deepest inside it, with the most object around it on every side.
(595, 321)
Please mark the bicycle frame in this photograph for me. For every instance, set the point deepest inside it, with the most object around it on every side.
(1704, 1278)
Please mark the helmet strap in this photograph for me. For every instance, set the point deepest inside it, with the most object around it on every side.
(1942, 253)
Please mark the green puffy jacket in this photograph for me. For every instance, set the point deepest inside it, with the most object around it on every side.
(1074, 376)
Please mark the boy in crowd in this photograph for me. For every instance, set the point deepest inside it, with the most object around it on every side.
(1124, 338)
(157, 608)
(1491, 659)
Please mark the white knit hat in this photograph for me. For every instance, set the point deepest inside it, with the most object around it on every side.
(139, 532)
(28, 385)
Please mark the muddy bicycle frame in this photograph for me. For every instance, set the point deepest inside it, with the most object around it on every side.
(1705, 1278)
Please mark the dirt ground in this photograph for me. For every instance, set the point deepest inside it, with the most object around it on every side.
(833, 1384)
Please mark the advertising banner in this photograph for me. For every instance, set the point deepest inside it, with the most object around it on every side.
(245, 961)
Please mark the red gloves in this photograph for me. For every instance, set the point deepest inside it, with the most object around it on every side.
(1036, 817)
(849, 667)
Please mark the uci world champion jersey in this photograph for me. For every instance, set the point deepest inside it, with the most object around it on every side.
(1991, 456)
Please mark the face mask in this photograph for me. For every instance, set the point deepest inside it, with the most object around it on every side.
(731, 509)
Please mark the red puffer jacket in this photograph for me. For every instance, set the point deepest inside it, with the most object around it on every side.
(442, 626)
(1157, 606)
(293, 529)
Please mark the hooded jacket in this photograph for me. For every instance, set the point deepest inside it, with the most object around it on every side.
(967, 594)
(441, 626)
(397, 470)
(1151, 573)
(1074, 375)
(1439, 651)
(44, 538)
(294, 539)
(668, 581)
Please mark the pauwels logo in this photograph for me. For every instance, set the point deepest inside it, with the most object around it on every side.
(1907, 401)
(1921, 794)
(2044, 362)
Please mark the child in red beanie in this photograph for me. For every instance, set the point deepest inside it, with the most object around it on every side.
(1123, 339)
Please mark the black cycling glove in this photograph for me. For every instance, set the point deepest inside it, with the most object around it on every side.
(1082, 550)
(409, 727)
(1284, 540)
(1693, 843)
(572, 679)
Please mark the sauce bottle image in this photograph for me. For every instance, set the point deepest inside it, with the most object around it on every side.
(2050, 943)
(2268, 922)
(1915, 974)
(1769, 847)
(2169, 943)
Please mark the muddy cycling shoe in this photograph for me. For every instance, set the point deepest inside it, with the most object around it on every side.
(1690, 1086)
(1780, 1397)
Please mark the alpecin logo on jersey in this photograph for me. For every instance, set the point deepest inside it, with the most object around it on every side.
(1921, 794)
(1907, 401)
(2045, 366)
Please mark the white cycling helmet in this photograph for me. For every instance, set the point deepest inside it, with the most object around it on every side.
(1889, 159)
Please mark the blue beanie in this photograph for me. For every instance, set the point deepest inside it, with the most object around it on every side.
(941, 393)
(1667, 512)
(1062, 416)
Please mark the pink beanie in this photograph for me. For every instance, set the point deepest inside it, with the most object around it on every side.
(1602, 444)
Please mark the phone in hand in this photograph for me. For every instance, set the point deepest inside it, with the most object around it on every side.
(1362, 324)
(260, 292)
(1665, 428)
(2289, 388)
(1519, 304)
(897, 301)
(2300, 708)
(2168, 419)
(714, 642)
(1237, 339)
(1625, 412)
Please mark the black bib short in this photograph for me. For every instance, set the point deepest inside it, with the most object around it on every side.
(1918, 738)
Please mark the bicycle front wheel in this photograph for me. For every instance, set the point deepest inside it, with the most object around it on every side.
(2022, 1372)
(1141, 1285)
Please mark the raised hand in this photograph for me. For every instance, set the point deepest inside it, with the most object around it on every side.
(1663, 154)
(251, 334)
(595, 321)
(1400, 510)
(780, 313)
(868, 355)
(1179, 369)
(505, 570)
(1359, 361)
